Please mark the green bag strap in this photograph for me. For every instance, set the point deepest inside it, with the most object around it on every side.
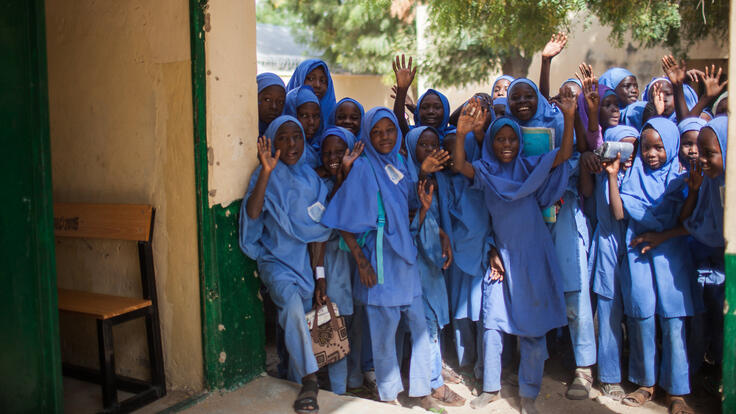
(379, 238)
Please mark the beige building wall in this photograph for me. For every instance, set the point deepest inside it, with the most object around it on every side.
(121, 132)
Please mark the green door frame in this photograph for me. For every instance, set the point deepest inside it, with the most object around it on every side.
(29, 352)
(233, 331)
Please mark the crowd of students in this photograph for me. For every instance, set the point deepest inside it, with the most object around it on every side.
(452, 224)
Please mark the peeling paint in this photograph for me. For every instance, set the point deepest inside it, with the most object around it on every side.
(207, 25)
(210, 155)
(223, 357)
(220, 327)
(212, 192)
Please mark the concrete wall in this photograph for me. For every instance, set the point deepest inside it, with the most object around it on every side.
(121, 132)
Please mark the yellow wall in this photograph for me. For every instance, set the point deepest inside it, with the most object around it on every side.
(121, 132)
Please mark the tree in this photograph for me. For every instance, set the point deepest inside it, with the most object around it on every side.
(471, 38)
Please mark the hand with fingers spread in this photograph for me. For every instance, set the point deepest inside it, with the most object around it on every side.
(554, 46)
(568, 104)
(710, 80)
(695, 176)
(592, 97)
(350, 156)
(496, 265)
(586, 71)
(404, 73)
(479, 123)
(694, 75)
(471, 115)
(434, 162)
(425, 189)
(677, 73)
(268, 160)
(657, 97)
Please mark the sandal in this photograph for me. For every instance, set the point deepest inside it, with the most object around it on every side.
(449, 375)
(613, 391)
(580, 387)
(306, 402)
(429, 404)
(445, 396)
(638, 397)
(678, 405)
(484, 399)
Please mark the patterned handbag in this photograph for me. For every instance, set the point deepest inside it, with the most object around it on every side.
(329, 334)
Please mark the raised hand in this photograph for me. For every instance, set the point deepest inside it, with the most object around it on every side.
(657, 97)
(586, 71)
(694, 75)
(554, 46)
(471, 114)
(710, 79)
(496, 264)
(612, 167)
(404, 73)
(479, 122)
(426, 191)
(267, 160)
(677, 73)
(695, 176)
(590, 92)
(435, 161)
(568, 104)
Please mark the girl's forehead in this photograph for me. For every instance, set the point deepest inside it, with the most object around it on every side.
(348, 106)
(431, 97)
(317, 71)
(333, 140)
(288, 127)
(428, 134)
(522, 87)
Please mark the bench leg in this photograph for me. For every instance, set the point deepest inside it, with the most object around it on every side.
(107, 363)
(155, 351)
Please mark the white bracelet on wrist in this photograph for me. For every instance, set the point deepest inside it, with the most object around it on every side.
(319, 272)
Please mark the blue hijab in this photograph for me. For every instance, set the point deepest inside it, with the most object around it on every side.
(691, 98)
(546, 115)
(327, 103)
(502, 77)
(340, 132)
(445, 107)
(573, 80)
(294, 99)
(612, 77)
(412, 138)
(644, 189)
(706, 222)
(619, 132)
(350, 210)
(691, 124)
(333, 114)
(265, 80)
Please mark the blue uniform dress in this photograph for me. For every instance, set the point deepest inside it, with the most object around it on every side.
(706, 227)
(660, 281)
(570, 235)
(608, 264)
(327, 102)
(277, 241)
(466, 221)
(294, 99)
(355, 208)
(530, 300)
(265, 80)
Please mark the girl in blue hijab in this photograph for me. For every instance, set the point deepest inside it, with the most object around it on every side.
(689, 129)
(348, 114)
(661, 275)
(314, 72)
(529, 108)
(279, 217)
(373, 204)
(271, 95)
(608, 266)
(623, 83)
(464, 218)
(500, 86)
(522, 292)
(433, 109)
(302, 104)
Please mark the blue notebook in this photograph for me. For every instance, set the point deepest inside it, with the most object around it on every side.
(538, 141)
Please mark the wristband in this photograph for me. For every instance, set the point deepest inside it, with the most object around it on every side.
(319, 272)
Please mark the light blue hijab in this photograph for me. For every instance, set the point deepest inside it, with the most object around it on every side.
(294, 99)
(412, 138)
(546, 115)
(619, 132)
(706, 222)
(502, 77)
(691, 98)
(691, 124)
(340, 132)
(333, 114)
(265, 80)
(327, 103)
(445, 107)
(612, 77)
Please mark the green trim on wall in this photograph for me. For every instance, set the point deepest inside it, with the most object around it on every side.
(729, 334)
(233, 331)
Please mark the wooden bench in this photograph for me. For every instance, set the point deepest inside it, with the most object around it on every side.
(133, 222)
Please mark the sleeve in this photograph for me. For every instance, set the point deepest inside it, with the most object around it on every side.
(251, 230)
(554, 186)
(354, 207)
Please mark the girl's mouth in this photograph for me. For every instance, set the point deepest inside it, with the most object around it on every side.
(334, 165)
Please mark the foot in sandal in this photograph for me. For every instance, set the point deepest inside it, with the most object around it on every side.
(484, 399)
(638, 397)
(677, 405)
(429, 404)
(580, 387)
(445, 396)
(449, 375)
(613, 391)
(529, 405)
(306, 402)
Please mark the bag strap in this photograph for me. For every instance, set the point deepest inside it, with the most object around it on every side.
(379, 238)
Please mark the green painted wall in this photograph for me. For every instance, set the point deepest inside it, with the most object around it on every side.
(30, 359)
(729, 336)
(233, 331)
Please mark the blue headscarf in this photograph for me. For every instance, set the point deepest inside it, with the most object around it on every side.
(573, 80)
(612, 77)
(333, 114)
(350, 210)
(294, 99)
(327, 103)
(617, 133)
(340, 132)
(265, 80)
(500, 101)
(691, 124)
(706, 222)
(603, 92)
(412, 138)
(502, 77)
(546, 115)
(644, 189)
(445, 107)
(691, 98)
(633, 113)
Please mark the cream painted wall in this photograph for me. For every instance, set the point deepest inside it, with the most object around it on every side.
(121, 132)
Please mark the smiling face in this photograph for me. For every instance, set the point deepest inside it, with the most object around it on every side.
(688, 148)
(653, 153)
(290, 141)
(309, 116)
(270, 103)
(383, 136)
(333, 149)
(427, 142)
(631, 140)
(523, 102)
(431, 111)
(317, 79)
(506, 144)
(609, 114)
(347, 115)
(710, 153)
(501, 88)
(627, 90)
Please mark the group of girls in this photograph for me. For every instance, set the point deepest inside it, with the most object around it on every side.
(452, 222)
